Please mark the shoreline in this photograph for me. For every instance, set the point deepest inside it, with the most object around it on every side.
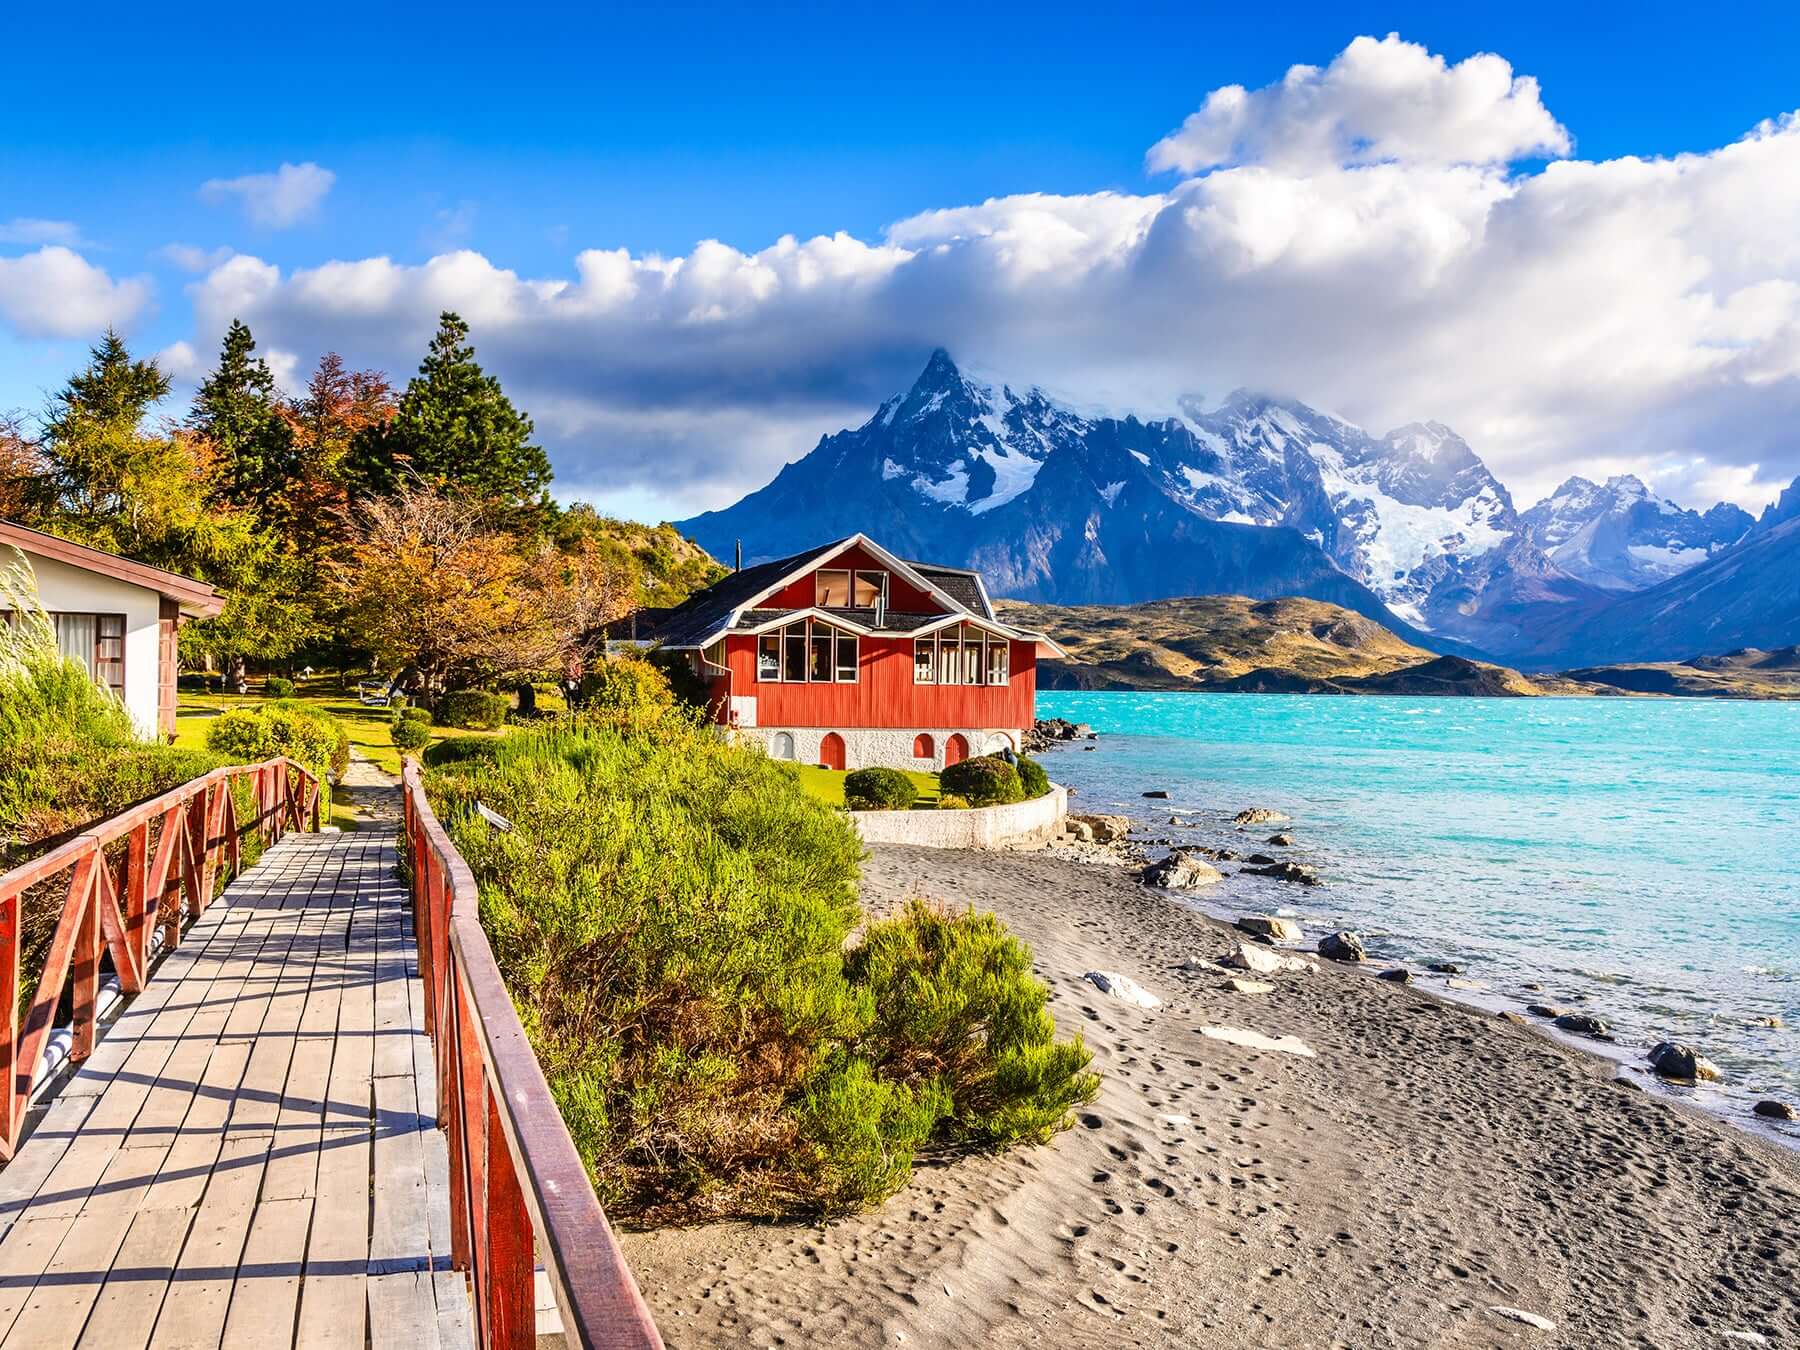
(1427, 1165)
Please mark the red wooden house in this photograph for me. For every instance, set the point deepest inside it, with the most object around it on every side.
(848, 656)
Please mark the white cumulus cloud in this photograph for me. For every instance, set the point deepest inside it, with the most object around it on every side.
(277, 200)
(33, 230)
(1379, 100)
(54, 292)
(1359, 236)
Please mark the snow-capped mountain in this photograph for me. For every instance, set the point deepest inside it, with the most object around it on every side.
(1258, 496)
(1620, 536)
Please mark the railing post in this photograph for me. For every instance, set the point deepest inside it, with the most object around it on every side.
(85, 972)
(455, 1120)
(9, 1018)
(137, 880)
(512, 1305)
(193, 864)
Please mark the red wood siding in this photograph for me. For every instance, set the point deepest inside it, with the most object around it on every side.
(902, 598)
(884, 694)
(167, 664)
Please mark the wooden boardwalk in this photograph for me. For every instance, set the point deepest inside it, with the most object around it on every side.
(250, 1157)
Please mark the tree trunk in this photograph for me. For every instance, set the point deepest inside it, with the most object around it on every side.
(527, 699)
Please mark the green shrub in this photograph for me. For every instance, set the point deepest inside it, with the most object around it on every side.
(1033, 778)
(626, 689)
(411, 734)
(475, 709)
(985, 780)
(671, 913)
(305, 734)
(949, 801)
(959, 1014)
(879, 790)
(413, 715)
(277, 687)
(396, 701)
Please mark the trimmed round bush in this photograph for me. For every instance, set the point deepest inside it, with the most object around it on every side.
(949, 801)
(467, 750)
(879, 790)
(416, 715)
(411, 734)
(278, 687)
(1033, 778)
(986, 780)
(475, 709)
(305, 735)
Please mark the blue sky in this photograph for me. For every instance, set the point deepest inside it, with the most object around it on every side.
(530, 138)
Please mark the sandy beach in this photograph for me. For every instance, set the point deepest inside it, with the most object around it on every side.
(1428, 1166)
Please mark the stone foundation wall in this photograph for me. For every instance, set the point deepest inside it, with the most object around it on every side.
(980, 827)
(888, 747)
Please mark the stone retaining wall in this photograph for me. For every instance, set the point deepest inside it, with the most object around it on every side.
(978, 827)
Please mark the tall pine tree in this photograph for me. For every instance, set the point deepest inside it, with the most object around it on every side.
(455, 428)
(97, 456)
(237, 411)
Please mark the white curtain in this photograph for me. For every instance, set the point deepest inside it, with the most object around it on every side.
(75, 635)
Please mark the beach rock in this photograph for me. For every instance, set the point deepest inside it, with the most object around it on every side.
(1216, 854)
(1773, 1110)
(1342, 946)
(1398, 975)
(1239, 985)
(1262, 961)
(1181, 872)
(1158, 794)
(1258, 815)
(1671, 1059)
(1507, 1015)
(1199, 965)
(1549, 1010)
(1255, 1040)
(1280, 840)
(1261, 860)
(1535, 988)
(1585, 1024)
(1468, 986)
(1444, 968)
(1269, 926)
(1298, 873)
(1774, 1023)
(1180, 823)
(1079, 830)
(1120, 987)
(1529, 1319)
(1106, 829)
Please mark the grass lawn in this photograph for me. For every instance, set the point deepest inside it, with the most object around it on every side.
(828, 785)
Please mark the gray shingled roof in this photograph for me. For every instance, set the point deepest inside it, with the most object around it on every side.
(961, 586)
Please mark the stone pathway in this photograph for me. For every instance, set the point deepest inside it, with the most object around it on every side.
(374, 793)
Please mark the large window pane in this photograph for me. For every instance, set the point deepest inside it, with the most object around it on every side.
(109, 651)
(949, 658)
(75, 637)
(820, 667)
(971, 657)
(871, 589)
(768, 657)
(924, 658)
(833, 590)
(846, 658)
(997, 652)
(793, 653)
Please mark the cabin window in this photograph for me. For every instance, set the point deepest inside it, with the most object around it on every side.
(997, 651)
(833, 590)
(807, 652)
(871, 590)
(924, 661)
(97, 641)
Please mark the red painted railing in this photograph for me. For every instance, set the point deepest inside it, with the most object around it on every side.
(517, 1186)
(173, 847)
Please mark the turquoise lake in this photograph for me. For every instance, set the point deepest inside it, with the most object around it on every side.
(1639, 858)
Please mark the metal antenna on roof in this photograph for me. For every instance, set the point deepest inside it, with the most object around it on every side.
(740, 557)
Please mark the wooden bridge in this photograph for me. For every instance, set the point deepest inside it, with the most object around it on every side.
(316, 1121)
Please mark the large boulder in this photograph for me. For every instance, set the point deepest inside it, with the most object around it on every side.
(1258, 815)
(1126, 990)
(1398, 975)
(1270, 926)
(1672, 1059)
(1181, 872)
(1342, 946)
(1583, 1024)
(1106, 829)
(1282, 840)
(1298, 873)
(1773, 1110)
(1262, 961)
